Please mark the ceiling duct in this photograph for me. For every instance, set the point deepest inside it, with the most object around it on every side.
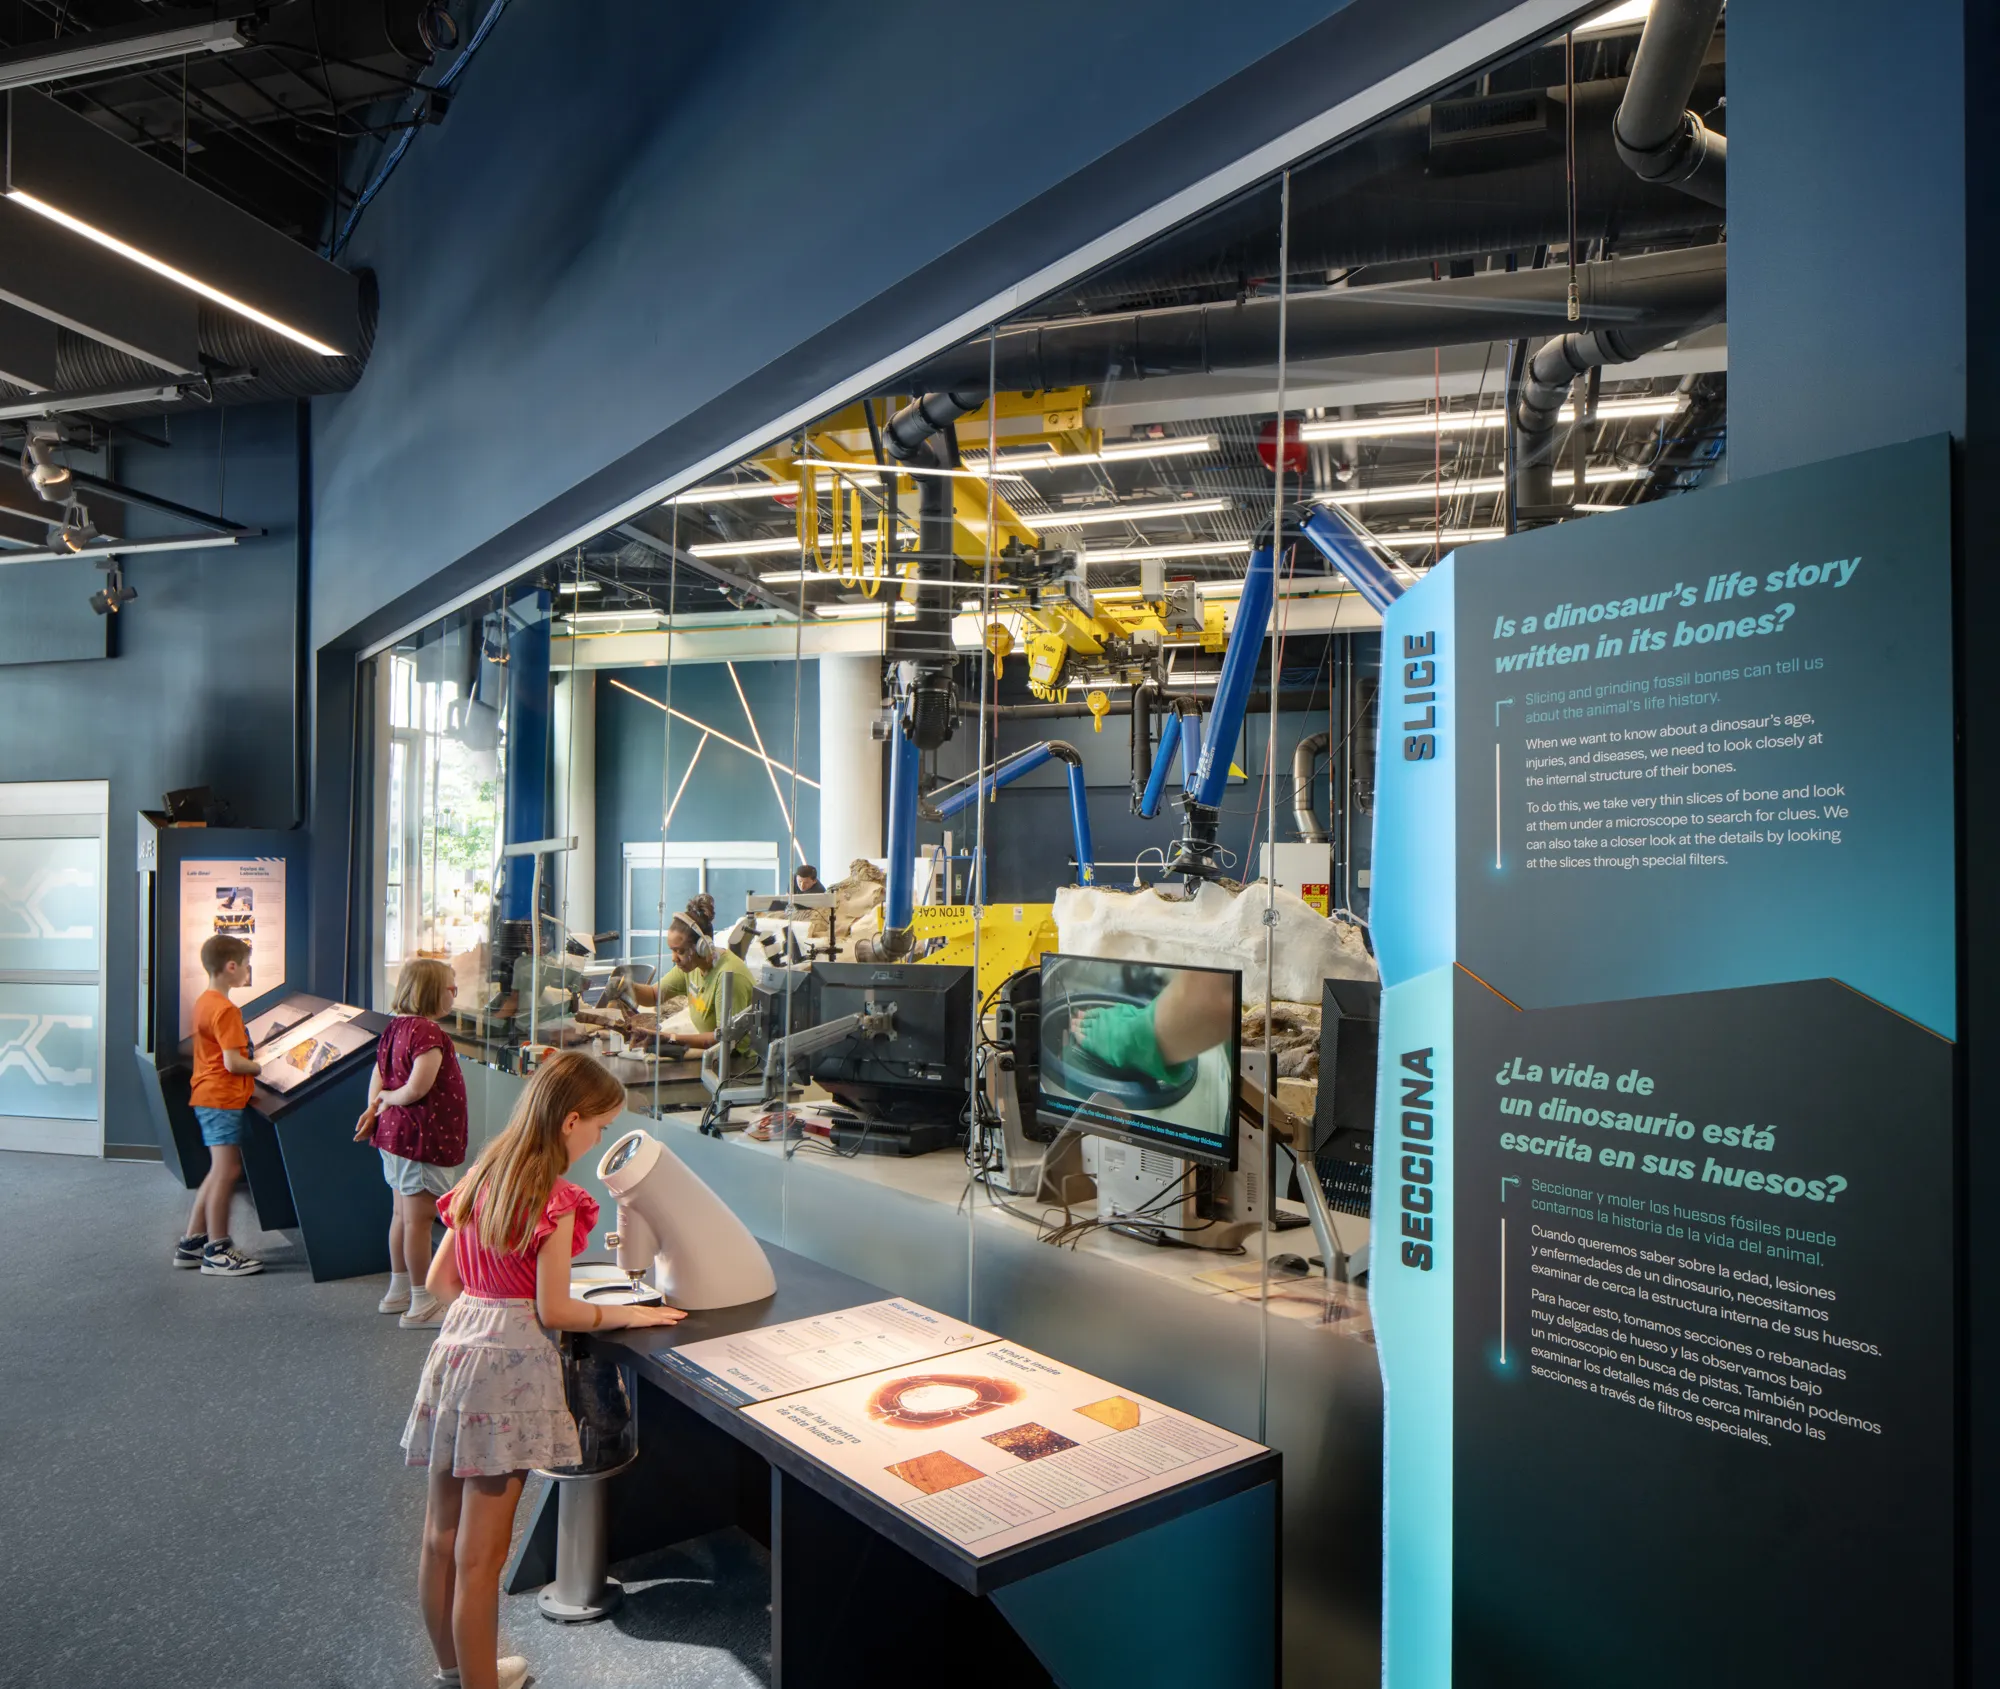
(249, 364)
(1461, 178)
(1655, 133)
(1666, 290)
(1545, 387)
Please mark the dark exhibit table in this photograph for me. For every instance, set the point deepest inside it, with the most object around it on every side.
(860, 1589)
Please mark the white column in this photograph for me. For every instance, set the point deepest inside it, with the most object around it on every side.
(574, 730)
(850, 763)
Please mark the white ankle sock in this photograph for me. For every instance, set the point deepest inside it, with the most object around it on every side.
(398, 1282)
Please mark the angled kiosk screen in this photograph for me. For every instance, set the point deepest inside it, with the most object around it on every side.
(1143, 1053)
(304, 1036)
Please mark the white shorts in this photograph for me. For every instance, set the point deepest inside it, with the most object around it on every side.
(412, 1178)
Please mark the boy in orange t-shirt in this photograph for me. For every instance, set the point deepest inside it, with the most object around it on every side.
(224, 1075)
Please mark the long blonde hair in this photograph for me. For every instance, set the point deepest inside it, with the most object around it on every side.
(422, 988)
(518, 1169)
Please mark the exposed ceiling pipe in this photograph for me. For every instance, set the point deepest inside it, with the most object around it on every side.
(1457, 179)
(1304, 755)
(1656, 135)
(1545, 388)
(921, 434)
(1670, 290)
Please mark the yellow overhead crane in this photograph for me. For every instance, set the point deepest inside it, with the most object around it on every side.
(1066, 634)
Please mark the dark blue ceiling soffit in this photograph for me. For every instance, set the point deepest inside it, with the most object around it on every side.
(1358, 47)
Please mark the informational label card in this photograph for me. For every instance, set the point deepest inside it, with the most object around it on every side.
(996, 1446)
(781, 1359)
(243, 897)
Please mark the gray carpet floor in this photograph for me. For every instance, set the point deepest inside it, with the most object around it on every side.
(202, 1484)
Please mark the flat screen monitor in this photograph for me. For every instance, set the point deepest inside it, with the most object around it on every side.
(926, 1065)
(1142, 1052)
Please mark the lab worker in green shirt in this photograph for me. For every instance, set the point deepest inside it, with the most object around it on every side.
(699, 965)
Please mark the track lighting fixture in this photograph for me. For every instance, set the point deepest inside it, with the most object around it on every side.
(51, 480)
(114, 594)
(74, 533)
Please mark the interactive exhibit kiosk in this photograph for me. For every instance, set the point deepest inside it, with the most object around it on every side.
(300, 1161)
(928, 1491)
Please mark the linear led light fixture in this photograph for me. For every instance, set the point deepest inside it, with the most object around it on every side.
(865, 612)
(869, 471)
(579, 586)
(734, 491)
(1152, 553)
(63, 168)
(1123, 452)
(1127, 513)
(120, 49)
(1488, 484)
(1459, 422)
(180, 278)
(744, 548)
(1450, 536)
(602, 618)
(1631, 14)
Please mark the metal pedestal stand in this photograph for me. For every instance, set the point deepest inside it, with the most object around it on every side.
(581, 1591)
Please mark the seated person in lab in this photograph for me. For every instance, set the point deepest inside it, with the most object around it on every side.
(806, 878)
(1190, 1016)
(699, 965)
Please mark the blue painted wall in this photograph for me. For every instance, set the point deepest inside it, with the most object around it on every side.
(729, 795)
(200, 691)
(1830, 353)
(633, 208)
(1028, 828)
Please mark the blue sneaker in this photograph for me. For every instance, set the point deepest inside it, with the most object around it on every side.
(187, 1252)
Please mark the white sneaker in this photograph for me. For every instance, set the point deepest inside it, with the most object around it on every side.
(394, 1301)
(512, 1674)
(426, 1314)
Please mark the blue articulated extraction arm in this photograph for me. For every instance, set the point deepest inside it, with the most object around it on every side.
(1367, 568)
(1356, 555)
(1181, 734)
(1005, 773)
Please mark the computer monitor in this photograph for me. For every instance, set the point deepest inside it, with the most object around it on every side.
(1143, 1053)
(1344, 1118)
(921, 1072)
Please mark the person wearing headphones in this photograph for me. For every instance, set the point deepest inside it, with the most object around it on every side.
(699, 965)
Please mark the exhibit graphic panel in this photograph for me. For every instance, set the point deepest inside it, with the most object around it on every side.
(243, 897)
(1664, 903)
(777, 1360)
(996, 1446)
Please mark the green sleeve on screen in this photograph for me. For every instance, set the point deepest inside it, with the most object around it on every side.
(1122, 1036)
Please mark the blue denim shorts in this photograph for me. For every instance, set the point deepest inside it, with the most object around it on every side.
(223, 1125)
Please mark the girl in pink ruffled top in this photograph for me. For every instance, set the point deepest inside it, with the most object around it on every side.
(490, 1404)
